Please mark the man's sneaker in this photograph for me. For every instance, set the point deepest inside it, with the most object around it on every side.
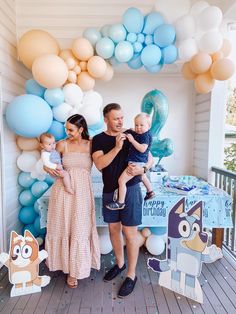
(115, 205)
(127, 287)
(113, 272)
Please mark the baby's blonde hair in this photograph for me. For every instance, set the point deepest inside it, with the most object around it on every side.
(43, 136)
(144, 115)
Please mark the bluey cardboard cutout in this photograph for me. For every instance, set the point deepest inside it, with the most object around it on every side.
(23, 264)
(186, 251)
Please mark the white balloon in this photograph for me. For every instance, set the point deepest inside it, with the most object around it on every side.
(26, 162)
(61, 112)
(155, 244)
(34, 174)
(35, 153)
(41, 177)
(92, 98)
(73, 94)
(185, 27)
(170, 11)
(210, 42)
(105, 244)
(198, 7)
(91, 115)
(210, 18)
(187, 49)
(39, 167)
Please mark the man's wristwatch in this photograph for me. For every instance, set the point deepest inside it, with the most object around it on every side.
(145, 169)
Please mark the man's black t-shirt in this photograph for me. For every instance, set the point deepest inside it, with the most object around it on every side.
(112, 172)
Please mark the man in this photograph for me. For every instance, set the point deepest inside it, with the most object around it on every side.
(109, 152)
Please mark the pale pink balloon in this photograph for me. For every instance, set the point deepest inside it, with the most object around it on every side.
(85, 81)
(82, 49)
(204, 83)
(96, 66)
(222, 69)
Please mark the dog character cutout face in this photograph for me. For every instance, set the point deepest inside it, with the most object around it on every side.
(23, 264)
(186, 251)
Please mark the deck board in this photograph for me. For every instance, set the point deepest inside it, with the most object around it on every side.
(218, 281)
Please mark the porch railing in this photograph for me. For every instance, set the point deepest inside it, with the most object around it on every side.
(226, 180)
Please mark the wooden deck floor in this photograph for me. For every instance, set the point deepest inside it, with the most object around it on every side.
(218, 281)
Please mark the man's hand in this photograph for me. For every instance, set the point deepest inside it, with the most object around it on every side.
(120, 140)
(52, 172)
(134, 170)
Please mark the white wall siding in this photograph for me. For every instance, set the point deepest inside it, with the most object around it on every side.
(13, 76)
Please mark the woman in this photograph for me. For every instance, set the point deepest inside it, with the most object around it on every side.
(72, 239)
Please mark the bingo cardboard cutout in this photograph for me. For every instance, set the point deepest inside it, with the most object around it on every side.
(187, 250)
(23, 263)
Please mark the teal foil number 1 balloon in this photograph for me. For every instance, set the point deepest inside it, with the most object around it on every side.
(155, 101)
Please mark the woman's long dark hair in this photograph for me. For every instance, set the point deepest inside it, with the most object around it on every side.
(79, 121)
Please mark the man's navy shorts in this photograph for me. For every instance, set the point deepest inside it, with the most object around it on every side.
(131, 215)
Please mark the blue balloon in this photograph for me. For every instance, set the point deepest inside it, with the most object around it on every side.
(31, 229)
(37, 226)
(140, 38)
(36, 207)
(29, 115)
(151, 55)
(105, 30)
(57, 129)
(26, 198)
(33, 87)
(124, 51)
(133, 20)
(135, 63)
(54, 96)
(39, 188)
(148, 39)
(131, 37)
(151, 22)
(155, 68)
(170, 54)
(49, 179)
(93, 35)
(137, 47)
(113, 61)
(98, 125)
(117, 33)
(105, 48)
(25, 180)
(158, 230)
(27, 215)
(164, 35)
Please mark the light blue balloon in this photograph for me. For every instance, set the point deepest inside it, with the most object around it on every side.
(140, 38)
(92, 133)
(54, 97)
(49, 179)
(148, 40)
(105, 48)
(25, 180)
(131, 37)
(133, 20)
(105, 30)
(170, 54)
(151, 22)
(26, 198)
(33, 87)
(135, 63)
(117, 33)
(158, 230)
(39, 188)
(97, 126)
(155, 68)
(27, 215)
(93, 35)
(31, 229)
(57, 129)
(37, 226)
(113, 61)
(124, 51)
(164, 35)
(29, 115)
(151, 55)
(137, 47)
(36, 207)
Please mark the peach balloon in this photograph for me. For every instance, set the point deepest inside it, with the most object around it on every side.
(82, 49)
(72, 77)
(50, 71)
(200, 63)
(77, 69)
(226, 47)
(66, 54)
(140, 239)
(97, 66)
(27, 144)
(217, 56)
(35, 43)
(188, 74)
(146, 232)
(83, 65)
(222, 69)
(85, 81)
(204, 83)
(108, 74)
(70, 62)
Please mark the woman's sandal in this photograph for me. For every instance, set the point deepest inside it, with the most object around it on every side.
(149, 195)
(71, 282)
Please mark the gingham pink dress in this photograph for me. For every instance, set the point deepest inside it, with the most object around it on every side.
(72, 239)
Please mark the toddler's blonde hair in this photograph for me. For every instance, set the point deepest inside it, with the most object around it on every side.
(43, 136)
(144, 115)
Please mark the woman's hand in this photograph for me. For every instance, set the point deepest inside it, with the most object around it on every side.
(52, 172)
